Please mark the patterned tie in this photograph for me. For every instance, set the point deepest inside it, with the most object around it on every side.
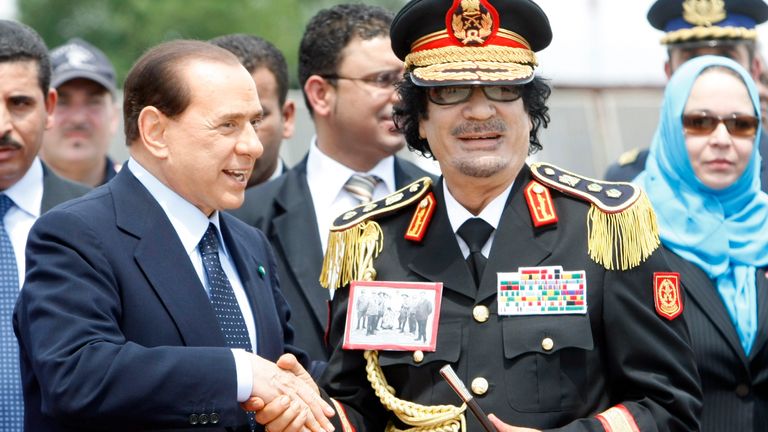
(361, 186)
(11, 401)
(222, 296)
(475, 233)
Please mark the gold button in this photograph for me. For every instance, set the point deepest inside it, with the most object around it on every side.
(418, 356)
(481, 313)
(547, 344)
(479, 386)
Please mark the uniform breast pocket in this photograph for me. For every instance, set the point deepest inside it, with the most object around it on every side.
(547, 357)
(415, 377)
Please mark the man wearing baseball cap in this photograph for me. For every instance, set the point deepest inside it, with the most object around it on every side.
(553, 301)
(85, 119)
(697, 27)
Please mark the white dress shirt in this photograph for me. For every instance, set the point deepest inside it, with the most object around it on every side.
(457, 215)
(326, 178)
(190, 224)
(27, 194)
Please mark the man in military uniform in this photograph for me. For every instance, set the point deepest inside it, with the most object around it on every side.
(603, 347)
(699, 27)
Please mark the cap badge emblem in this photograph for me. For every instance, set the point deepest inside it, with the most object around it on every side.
(472, 21)
(703, 12)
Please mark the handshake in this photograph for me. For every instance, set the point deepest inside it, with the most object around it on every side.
(285, 398)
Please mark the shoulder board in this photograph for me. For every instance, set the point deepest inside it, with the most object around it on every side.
(609, 197)
(629, 156)
(390, 203)
(621, 225)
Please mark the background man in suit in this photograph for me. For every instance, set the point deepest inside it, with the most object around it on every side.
(86, 115)
(725, 28)
(348, 72)
(269, 70)
(27, 187)
(144, 306)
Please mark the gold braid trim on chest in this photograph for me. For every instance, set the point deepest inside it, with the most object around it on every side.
(423, 418)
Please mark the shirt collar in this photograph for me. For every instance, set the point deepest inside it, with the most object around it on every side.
(188, 221)
(457, 214)
(322, 169)
(27, 193)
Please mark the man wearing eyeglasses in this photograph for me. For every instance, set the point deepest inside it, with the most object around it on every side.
(558, 309)
(698, 27)
(348, 72)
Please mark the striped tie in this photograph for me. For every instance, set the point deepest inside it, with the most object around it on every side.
(361, 186)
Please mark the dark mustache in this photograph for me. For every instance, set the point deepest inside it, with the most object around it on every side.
(6, 141)
(490, 126)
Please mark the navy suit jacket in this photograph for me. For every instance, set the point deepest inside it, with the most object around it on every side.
(115, 329)
(283, 210)
(735, 384)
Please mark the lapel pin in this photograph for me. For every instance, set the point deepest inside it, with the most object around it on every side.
(262, 272)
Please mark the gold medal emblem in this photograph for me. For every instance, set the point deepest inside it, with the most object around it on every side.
(703, 12)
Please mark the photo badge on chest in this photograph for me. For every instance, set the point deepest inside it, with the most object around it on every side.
(392, 316)
(546, 290)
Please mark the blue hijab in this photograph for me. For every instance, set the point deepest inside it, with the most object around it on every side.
(724, 232)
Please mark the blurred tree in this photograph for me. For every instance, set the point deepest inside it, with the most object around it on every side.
(124, 29)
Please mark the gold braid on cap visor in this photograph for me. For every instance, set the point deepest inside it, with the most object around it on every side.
(488, 63)
(703, 32)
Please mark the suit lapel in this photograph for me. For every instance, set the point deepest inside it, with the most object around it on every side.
(762, 313)
(704, 293)
(440, 258)
(161, 257)
(515, 228)
(296, 233)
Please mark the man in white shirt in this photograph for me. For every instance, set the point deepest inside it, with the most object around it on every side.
(28, 187)
(144, 306)
(348, 73)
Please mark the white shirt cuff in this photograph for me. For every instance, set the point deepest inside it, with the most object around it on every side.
(244, 374)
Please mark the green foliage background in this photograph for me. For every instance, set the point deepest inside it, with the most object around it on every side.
(124, 29)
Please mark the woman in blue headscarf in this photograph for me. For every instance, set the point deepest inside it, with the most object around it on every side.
(702, 177)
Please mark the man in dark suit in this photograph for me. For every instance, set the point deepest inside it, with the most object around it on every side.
(348, 72)
(725, 28)
(270, 72)
(28, 188)
(558, 307)
(144, 306)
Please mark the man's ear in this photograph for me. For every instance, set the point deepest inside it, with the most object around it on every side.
(152, 128)
(320, 94)
(289, 118)
(667, 69)
(50, 106)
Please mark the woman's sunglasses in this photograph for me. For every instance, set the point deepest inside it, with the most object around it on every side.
(703, 123)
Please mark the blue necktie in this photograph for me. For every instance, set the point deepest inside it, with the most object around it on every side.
(11, 402)
(222, 296)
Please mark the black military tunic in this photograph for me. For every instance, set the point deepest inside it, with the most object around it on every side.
(542, 371)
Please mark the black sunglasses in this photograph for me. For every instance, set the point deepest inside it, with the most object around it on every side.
(704, 123)
(451, 95)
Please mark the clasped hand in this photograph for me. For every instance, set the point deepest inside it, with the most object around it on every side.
(285, 398)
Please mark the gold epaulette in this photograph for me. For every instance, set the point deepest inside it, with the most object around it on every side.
(621, 225)
(355, 238)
